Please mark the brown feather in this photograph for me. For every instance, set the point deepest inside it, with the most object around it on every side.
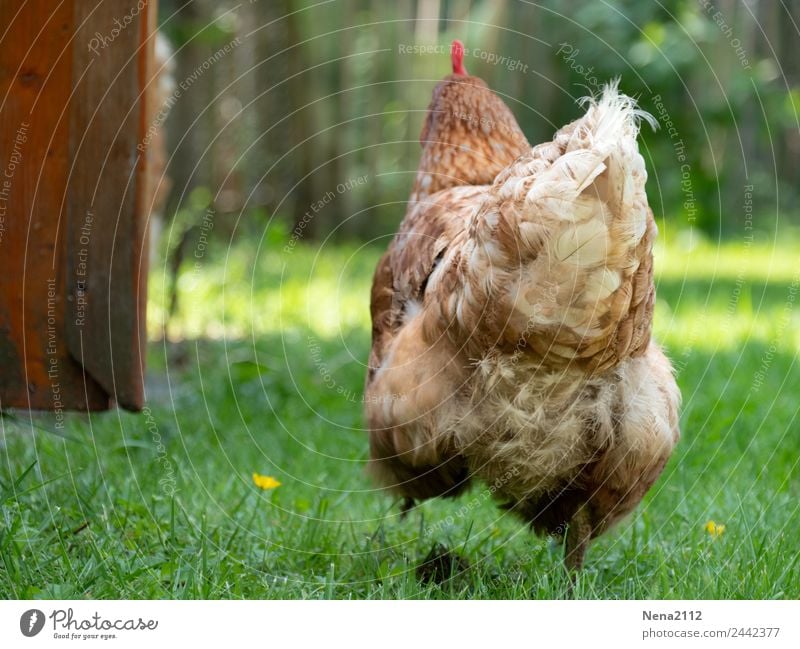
(512, 319)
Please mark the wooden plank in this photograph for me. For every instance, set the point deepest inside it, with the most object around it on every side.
(73, 200)
(108, 193)
(36, 368)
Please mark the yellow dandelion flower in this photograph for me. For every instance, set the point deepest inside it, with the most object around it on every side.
(714, 529)
(265, 481)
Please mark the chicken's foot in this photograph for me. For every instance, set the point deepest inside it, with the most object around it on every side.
(579, 534)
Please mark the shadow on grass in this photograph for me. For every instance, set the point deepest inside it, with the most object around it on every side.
(92, 518)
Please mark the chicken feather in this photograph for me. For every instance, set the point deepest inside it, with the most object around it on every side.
(512, 316)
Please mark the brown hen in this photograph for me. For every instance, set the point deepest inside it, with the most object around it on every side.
(512, 316)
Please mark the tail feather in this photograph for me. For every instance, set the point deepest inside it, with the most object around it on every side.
(563, 244)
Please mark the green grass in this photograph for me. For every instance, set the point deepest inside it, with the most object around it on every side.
(264, 372)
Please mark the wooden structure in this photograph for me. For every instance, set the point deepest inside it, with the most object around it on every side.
(73, 202)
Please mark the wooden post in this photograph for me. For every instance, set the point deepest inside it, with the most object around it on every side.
(72, 237)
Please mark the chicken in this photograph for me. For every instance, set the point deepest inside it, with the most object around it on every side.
(512, 317)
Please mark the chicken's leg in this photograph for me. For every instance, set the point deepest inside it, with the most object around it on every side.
(579, 534)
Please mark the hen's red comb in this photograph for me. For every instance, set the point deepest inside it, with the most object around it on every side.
(457, 55)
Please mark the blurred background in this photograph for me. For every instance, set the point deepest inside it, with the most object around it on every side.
(309, 95)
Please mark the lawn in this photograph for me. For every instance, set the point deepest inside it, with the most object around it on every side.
(263, 373)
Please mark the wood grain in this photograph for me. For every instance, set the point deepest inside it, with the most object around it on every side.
(73, 253)
(106, 240)
(35, 83)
